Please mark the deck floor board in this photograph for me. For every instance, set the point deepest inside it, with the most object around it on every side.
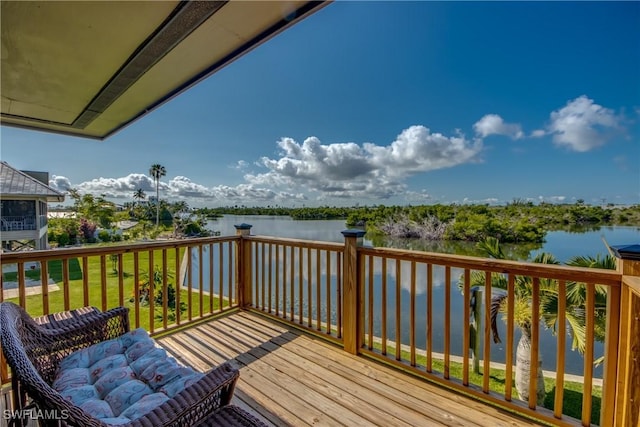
(290, 378)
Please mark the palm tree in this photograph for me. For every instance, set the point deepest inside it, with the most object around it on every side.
(139, 194)
(157, 171)
(523, 316)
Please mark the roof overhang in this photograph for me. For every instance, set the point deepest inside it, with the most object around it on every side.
(90, 68)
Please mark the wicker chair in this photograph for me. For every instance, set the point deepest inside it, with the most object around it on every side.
(34, 351)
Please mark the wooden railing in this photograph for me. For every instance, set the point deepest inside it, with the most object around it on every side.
(406, 308)
(390, 281)
(298, 281)
(167, 284)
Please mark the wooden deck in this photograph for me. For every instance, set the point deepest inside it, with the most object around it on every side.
(291, 378)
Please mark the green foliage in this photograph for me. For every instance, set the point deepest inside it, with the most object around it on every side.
(63, 231)
(104, 236)
(94, 209)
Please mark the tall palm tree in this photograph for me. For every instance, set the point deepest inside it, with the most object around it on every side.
(524, 317)
(157, 171)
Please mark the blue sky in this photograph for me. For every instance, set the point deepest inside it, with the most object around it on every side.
(390, 103)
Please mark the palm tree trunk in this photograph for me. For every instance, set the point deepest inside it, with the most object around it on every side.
(157, 202)
(523, 370)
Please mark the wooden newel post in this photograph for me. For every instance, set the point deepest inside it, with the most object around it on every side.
(243, 265)
(627, 391)
(352, 325)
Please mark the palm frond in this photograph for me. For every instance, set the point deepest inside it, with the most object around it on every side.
(491, 247)
(496, 304)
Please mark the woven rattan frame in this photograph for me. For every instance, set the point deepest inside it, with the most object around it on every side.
(34, 351)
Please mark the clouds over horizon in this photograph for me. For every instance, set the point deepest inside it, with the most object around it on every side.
(368, 172)
(344, 170)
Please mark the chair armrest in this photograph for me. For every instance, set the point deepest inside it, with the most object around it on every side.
(196, 402)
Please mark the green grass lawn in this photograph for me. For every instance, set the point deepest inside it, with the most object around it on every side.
(34, 303)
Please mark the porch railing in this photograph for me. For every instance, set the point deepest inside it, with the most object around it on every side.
(406, 308)
(20, 223)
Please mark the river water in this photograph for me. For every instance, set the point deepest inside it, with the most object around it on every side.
(562, 244)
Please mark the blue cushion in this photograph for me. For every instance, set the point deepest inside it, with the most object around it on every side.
(122, 379)
(126, 395)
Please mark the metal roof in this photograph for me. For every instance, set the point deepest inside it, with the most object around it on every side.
(89, 68)
(16, 183)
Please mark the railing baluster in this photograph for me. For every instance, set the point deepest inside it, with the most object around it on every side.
(277, 294)
(230, 278)
(587, 400)
(120, 281)
(370, 261)
(44, 280)
(65, 284)
(535, 342)
(284, 281)
(447, 321)
(465, 326)
(103, 282)
(200, 279)
(486, 368)
(339, 293)
(429, 325)
(22, 287)
(179, 284)
(150, 298)
(561, 342)
(398, 309)
(165, 289)
(1, 300)
(221, 274)
(85, 280)
(262, 277)
(211, 280)
(292, 282)
(300, 284)
(328, 293)
(136, 288)
(309, 278)
(189, 283)
(412, 322)
(509, 349)
(270, 274)
(383, 302)
(318, 292)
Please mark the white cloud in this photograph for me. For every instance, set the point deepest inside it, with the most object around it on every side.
(60, 183)
(582, 125)
(177, 188)
(241, 164)
(552, 199)
(538, 133)
(493, 124)
(349, 170)
(248, 194)
(119, 188)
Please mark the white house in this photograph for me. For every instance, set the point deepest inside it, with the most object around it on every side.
(23, 206)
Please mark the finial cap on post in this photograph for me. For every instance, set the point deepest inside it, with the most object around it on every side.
(243, 229)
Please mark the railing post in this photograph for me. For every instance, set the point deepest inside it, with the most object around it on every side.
(352, 293)
(627, 375)
(243, 265)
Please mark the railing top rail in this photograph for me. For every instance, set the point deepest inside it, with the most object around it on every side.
(633, 282)
(560, 272)
(314, 244)
(124, 247)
